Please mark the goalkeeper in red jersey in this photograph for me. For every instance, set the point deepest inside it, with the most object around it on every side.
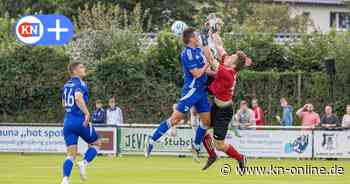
(225, 75)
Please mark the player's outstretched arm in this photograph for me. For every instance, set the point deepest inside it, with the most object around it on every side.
(206, 50)
(217, 39)
(81, 104)
(211, 60)
(221, 50)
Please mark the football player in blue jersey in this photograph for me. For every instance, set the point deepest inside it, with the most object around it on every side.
(76, 122)
(194, 92)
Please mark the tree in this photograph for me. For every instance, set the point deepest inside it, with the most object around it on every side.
(276, 16)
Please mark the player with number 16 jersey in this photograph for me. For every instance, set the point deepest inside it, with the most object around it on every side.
(76, 122)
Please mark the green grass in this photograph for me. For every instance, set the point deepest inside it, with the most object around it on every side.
(46, 169)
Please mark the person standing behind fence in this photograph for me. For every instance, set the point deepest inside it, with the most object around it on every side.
(309, 118)
(346, 118)
(259, 113)
(99, 116)
(329, 120)
(245, 117)
(287, 114)
(114, 113)
(115, 117)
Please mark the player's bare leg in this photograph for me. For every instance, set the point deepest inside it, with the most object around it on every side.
(89, 156)
(174, 120)
(68, 163)
(233, 153)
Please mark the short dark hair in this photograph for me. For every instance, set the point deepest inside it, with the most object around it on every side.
(73, 65)
(240, 63)
(187, 35)
(244, 102)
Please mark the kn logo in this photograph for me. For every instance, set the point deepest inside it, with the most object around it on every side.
(44, 30)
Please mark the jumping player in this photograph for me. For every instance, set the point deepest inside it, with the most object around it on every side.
(222, 89)
(76, 122)
(214, 24)
(194, 92)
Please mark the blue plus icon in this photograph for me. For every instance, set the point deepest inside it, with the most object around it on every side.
(58, 30)
(48, 29)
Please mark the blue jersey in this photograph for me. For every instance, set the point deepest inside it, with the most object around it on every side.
(192, 58)
(72, 111)
(73, 117)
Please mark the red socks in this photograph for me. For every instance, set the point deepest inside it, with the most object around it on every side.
(208, 144)
(232, 152)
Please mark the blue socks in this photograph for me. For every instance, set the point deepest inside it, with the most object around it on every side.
(200, 133)
(162, 129)
(90, 154)
(67, 166)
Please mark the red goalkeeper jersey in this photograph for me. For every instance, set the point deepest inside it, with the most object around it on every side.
(224, 83)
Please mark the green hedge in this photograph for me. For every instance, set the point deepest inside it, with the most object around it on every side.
(30, 82)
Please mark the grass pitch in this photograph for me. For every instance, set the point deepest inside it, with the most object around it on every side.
(46, 169)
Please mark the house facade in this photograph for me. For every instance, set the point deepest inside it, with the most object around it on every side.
(324, 15)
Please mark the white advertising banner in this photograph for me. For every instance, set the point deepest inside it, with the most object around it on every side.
(272, 143)
(31, 139)
(256, 143)
(332, 144)
(132, 141)
(41, 139)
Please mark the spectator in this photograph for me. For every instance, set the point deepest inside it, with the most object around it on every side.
(287, 114)
(115, 117)
(114, 113)
(245, 117)
(99, 116)
(329, 120)
(309, 118)
(346, 118)
(259, 113)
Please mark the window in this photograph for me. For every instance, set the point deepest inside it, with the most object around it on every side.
(343, 21)
(340, 20)
(333, 20)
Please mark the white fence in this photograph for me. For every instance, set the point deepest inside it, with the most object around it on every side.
(262, 142)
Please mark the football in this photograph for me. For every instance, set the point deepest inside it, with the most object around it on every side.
(178, 27)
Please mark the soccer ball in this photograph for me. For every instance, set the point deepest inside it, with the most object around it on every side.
(178, 27)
